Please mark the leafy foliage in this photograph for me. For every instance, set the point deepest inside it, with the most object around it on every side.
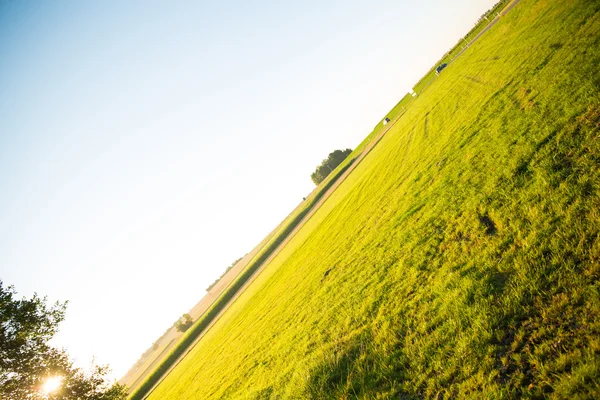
(184, 323)
(26, 358)
(329, 164)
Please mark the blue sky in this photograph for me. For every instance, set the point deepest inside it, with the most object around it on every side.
(144, 146)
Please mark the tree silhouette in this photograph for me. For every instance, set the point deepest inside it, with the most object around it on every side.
(184, 323)
(328, 165)
(27, 360)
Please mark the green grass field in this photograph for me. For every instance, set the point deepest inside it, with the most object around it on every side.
(460, 46)
(460, 259)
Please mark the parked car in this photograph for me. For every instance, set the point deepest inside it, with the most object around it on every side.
(386, 120)
(440, 68)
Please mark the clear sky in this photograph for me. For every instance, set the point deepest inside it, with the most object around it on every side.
(146, 145)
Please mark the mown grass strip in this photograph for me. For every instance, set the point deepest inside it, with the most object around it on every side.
(202, 323)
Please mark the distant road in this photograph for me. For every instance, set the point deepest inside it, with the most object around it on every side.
(494, 21)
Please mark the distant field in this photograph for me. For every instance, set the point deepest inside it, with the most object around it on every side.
(137, 375)
(461, 258)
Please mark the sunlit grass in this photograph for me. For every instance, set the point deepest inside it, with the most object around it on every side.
(461, 259)
(462, 44)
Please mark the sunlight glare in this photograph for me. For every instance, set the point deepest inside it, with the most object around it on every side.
(52, 384)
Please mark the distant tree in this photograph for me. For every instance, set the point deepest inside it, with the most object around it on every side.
(328, 165)
(27, 360)
(184, 323)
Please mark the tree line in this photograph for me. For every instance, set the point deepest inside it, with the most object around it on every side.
(328, 165)
(223, 274)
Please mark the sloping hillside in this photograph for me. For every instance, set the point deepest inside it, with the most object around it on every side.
(459, 259)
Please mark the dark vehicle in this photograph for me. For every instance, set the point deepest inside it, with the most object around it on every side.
(440, 68)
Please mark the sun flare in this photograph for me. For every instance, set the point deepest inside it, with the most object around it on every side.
(52, 384)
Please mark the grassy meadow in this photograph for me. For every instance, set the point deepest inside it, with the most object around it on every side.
(460, 259)
(461, 45)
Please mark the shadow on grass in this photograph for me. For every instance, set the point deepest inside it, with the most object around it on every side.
(350, 370)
